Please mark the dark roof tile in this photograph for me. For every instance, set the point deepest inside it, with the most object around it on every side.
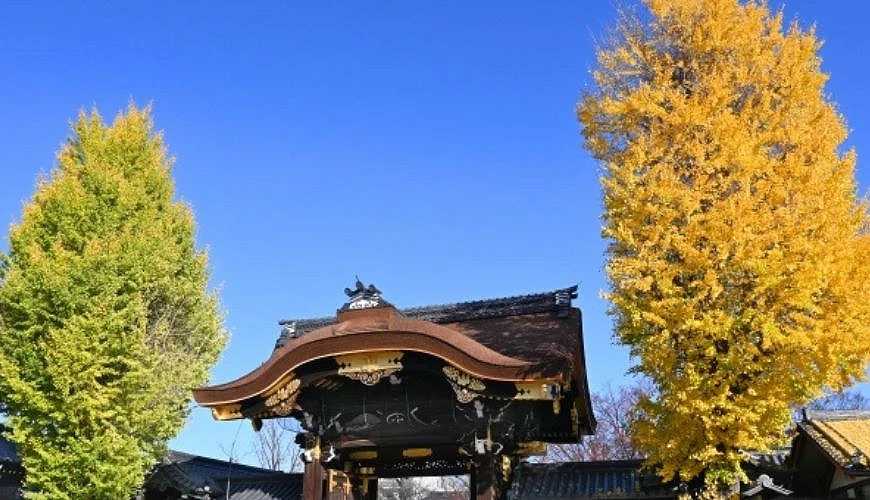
(190, 474)
(454, 313)
(582, 480)
(267, 488)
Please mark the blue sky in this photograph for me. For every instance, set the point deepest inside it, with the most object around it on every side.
(430, 147)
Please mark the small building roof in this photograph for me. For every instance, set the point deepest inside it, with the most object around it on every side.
(8, 453)
(196, 475)
(182, 474)
(844, 435)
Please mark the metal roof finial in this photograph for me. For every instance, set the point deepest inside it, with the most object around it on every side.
(363, 297)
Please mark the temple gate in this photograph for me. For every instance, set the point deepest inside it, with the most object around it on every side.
(469, 388)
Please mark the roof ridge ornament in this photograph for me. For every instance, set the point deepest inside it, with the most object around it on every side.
(363, 297)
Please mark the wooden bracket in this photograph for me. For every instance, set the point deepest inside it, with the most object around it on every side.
(532, 448)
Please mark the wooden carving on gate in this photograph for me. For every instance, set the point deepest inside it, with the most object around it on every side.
(369, 367)
(282, 400)
(227, 412)
(466, 387)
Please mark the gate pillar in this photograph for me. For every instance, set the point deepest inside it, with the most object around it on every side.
(484, 479)
(364, 488)
(312, 481)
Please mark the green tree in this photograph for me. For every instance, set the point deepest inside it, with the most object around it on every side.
(106, 321)
(739, 260)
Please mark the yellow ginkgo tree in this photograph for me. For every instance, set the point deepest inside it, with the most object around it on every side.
(106, 318)
(739, 258)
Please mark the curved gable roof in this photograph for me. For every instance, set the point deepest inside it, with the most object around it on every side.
(522, 338)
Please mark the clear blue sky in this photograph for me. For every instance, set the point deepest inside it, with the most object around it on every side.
(430, 147)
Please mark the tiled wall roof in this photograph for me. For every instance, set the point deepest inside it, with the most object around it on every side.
(582, 480)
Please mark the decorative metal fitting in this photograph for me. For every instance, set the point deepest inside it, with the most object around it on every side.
(369, 367)
(363, 297)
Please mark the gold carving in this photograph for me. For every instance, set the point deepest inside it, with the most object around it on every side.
(537, 390)
(417, 452)
(506, 468)
(541, 391)
(364, 455)
(463, 395)
(575, 418)
(369, 367)
(337, 481)
(532, 448)
(464, 385)
(463, 379)
(282, 400)
(227, 412)
(314, 451)
(371, 378)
